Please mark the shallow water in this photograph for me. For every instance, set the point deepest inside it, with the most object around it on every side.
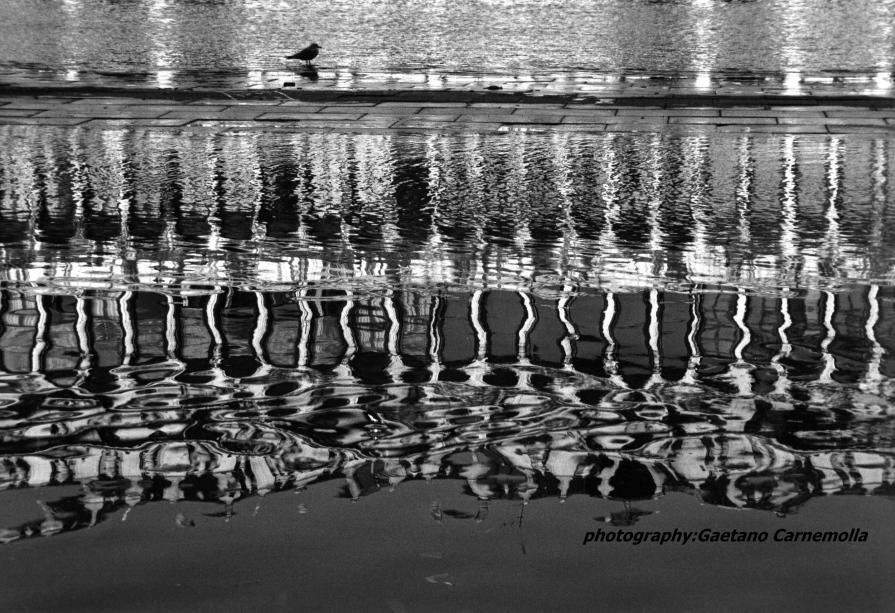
(647, 326)
(172, 43)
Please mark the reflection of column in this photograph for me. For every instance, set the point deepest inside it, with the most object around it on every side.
(562, 309)
(478, 368)
(343, 370)
(525, 329)
(260, 330)
(878, 208)
(781, 387)
(306, 318)
(216, 337)
(873, 378)
(435, 338)
(83, 337)
(789, 246)
(475, 316)
(695, 186)
(656, 377)
(171, 328)
(693, 327)
(834, 182)
(396, 364)
(609, 195)
(654, 203)
(739, 370)
(610, 364)
(827, 357)
(744, 200)
(127, 328)
(40, 335)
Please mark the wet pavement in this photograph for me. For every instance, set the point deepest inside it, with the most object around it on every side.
(748, 110)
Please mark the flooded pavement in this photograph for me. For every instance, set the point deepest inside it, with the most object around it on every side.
(239, 364)
(523, 44)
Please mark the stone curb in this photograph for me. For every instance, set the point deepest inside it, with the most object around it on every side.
(443, 111)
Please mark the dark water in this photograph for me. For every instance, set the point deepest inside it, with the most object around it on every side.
(242, 42)
(650, 327)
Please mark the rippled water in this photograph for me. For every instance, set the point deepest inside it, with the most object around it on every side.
(208, 318)
(188, 41)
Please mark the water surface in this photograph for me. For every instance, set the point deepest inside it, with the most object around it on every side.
(171, 43)
(442, 346)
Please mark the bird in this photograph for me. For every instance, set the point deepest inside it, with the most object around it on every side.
(307, 54)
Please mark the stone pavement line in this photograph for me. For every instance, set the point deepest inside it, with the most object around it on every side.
(359, 111)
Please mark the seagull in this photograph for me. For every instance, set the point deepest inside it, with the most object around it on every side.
(307, 54)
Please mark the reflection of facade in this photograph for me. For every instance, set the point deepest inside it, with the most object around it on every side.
(738, 471)
(212, 317)
(750, 345)
(186, 211)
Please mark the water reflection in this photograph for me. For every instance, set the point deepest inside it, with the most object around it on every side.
(217, 316)
(198, 42)
(748, 401)
(191, 211)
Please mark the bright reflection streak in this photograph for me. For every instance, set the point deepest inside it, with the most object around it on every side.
(703, 80)
(706, 44)
(792, 83)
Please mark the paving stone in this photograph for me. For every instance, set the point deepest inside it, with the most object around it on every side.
(514, 105)
(575, 112)
(134, 102)
(584, 120)
(854, 121)
(649, 126)
(676, 112)
(578, 128)
(775, 129)
(450, 126)
(841, 129)
(295, 104)
(428, 117)
(193, 113)
(30, 103)
(643, 119)
(584, 106)
(427, 103)
(290, 109)
(724, 120)
(43, 121)
(866, 112)
(137, 123)
(221, 102)
(148, 108)
(382, 122)
(308, 116)
(346, 110)
(515, 118)
(101, 113)
(12, 112)
(763, 113)
(394, 111)
(204, 108)
(796, 108)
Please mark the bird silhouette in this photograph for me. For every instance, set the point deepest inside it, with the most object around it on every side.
(307, 54)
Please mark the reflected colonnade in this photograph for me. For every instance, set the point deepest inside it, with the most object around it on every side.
(216, 316)
(184, 211)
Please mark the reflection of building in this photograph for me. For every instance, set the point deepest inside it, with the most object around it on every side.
(619, 211)
(730, 470)
(752, 345)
